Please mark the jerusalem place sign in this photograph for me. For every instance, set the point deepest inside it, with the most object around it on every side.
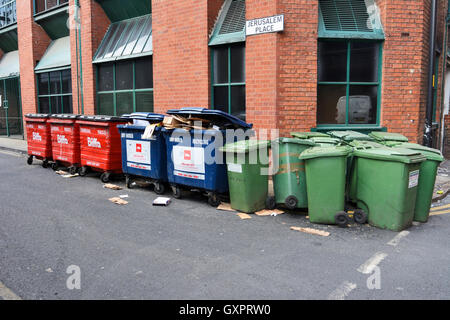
(265, 25)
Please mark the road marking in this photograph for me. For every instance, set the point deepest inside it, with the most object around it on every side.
(440, 208)
(439, 212)
(7, 294)
(368, 266)
(342, 291)
(397, 238)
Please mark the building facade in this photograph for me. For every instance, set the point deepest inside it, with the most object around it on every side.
(337, 64)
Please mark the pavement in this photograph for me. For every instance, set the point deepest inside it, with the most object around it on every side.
(54, 228)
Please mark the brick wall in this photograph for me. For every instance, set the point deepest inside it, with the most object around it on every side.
(1, 54)
(94, 24)
(180, 54)
(33, 41)
(446, 146)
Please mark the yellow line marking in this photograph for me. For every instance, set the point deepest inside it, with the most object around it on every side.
(440, 208)
(7, 294)
(439, 213)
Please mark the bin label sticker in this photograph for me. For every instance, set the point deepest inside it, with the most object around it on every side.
(139, 166)
(62, 139)
(68, 129)
(234, 167)
(37, 136)
(413, 179)
(190, 160)
(55, 128)
(189, 175)
(85, 130)
(94, 143)
(138, 151)
(41, 127)
(30, 126)
(93, 164)
(102, 132)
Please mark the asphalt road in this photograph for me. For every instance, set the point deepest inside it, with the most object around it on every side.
(190, 250)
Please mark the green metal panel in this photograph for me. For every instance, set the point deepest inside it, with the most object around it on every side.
(55, 24)
(56, 57)
(349, 19)
(118, 10)
(230, 26)
(8, 40)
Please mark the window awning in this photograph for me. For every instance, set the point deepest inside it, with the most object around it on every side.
(230, 26)
(126, 39)
(359, 19)
(56, 57)
(9, 65)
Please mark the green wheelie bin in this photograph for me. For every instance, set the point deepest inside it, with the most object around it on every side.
(427, 179)
(348, 135)
(386, 185)
(325, 141)
(325, 182)
(388, 137)
(308, 135)
(248, 173)
(289, 183)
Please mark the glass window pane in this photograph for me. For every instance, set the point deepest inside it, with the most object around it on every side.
(124, 75)
(105, 77)
(44, 105)
(238, 63)
(56, 104)
(220, 65)
(332, 61)
(51, 3)
(66, 81)
(114, 38)
(43, 83)
(135, 36)
(67, 104)
(106, 41)
(55, 82)
(331, 104)
(144, 101)
(105, 104)
(221, 98)
(146, 32)
(238, 102)
(363, 101)
(364, 62)
(144, 73)
(124, 39)
(149, 45)
(40, 5)
(124, 101)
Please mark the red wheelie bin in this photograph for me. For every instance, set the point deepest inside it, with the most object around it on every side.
(65, 141)
(38, 138)
(101, 149)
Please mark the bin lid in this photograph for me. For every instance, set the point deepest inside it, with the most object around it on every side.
(216, 117)
(328, 140)
(430, 153)
(322, 152)
(148, 116)
(358, 144)
(66, 116)
(37, 115)
(391, 154)
(245, 146)
(388, 136)
(349, 135)
(307, 135)
(305, 142)
(102, 118)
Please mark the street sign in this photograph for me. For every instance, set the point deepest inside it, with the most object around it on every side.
(264, 25)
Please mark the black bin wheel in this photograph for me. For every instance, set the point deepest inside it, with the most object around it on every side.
(30, 160)
(54, 166)
(341, 219)
(360, 216)
(83, 171)
(176, 192)
(159, 188)
(105, 177)
(213, 199)
(45, 163)
(128, 182)
(271, 203)
(291, 202)
(73, 170)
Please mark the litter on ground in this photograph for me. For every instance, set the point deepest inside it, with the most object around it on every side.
(119, 201)
(311, 231)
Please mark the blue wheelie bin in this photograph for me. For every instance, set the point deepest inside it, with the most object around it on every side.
(194, 161)
(144, 159)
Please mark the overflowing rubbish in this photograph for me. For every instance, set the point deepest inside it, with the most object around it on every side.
(341, 177)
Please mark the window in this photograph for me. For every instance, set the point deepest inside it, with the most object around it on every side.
(125, 86)
(43, 5)
(55, 92)
(7, 12)
(228, 80)
(349, 82)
